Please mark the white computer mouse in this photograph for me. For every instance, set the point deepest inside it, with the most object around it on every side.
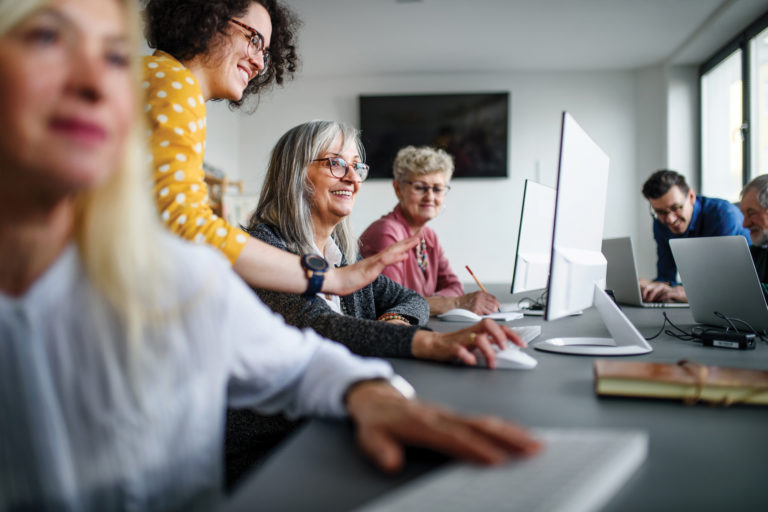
(510, 358)
(459, 315)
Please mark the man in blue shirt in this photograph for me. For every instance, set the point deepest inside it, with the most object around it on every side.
(679, 213)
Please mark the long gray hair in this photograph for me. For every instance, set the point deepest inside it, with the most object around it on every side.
(287, 194)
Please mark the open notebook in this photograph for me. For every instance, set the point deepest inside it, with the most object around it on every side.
(578, 471)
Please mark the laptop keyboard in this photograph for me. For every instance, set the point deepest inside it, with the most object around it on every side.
(665, 304)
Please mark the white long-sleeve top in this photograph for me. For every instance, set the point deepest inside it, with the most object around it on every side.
(86, 426)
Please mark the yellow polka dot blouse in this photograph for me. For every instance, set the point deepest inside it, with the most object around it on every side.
(176, 116)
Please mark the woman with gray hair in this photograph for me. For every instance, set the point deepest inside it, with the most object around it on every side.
(421, 177)
(314, 175)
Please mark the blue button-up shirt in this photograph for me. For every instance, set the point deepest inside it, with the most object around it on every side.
(711, 217)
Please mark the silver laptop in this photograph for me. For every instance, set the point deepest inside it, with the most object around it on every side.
(621, 275)
(719, 276)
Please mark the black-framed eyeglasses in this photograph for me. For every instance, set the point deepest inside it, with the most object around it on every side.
(675, 208)
(422, 188)
(340, 167)
(255, 42)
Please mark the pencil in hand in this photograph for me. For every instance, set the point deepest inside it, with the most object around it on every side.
(476, 279)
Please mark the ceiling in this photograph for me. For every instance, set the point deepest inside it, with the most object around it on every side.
(410, 36)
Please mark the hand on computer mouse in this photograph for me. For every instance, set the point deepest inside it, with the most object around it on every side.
(449, 346)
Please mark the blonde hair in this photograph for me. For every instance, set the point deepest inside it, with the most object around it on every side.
(413, 161)
(116, 226)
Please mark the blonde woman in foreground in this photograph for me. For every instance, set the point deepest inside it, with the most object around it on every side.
(119, 345)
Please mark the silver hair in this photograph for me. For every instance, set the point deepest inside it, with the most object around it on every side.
(760, 184)
(287, 194)
(413, 161)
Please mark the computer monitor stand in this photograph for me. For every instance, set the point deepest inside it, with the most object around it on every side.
(626, 339)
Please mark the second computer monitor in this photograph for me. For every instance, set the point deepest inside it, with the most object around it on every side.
(534, 238)
(577, 263)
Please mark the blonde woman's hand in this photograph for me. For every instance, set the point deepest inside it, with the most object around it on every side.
(386, 422)
(455, 345)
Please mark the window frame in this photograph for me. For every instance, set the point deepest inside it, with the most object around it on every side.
(739, 42)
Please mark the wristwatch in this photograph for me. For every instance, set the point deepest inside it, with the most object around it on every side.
(315, 267)
(403, 386)
(398, 382)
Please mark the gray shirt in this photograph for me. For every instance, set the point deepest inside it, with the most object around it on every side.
(358, 327)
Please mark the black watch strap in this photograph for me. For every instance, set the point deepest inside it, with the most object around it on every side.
(315, 267)
(315, 284)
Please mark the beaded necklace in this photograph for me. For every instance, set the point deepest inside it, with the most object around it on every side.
(421, 256)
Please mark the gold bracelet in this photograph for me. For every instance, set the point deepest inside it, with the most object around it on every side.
(393, 316)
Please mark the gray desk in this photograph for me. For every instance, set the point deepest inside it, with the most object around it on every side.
(700, 457)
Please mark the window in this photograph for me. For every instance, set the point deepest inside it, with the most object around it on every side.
(734, 113)
(721, 129)
(759, 103)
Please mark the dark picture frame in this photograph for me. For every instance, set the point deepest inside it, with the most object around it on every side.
(472, 127)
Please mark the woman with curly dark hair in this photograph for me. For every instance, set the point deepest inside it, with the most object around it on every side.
(224, 50)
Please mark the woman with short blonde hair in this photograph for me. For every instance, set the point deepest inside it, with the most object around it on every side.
(421, 183)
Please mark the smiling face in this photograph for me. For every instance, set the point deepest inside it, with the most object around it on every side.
(755, 217)
(333, 198)
(231, 64)
(66, 97)
(674, 209)
(418, 199)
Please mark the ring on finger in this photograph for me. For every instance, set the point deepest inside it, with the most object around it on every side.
(472, 337)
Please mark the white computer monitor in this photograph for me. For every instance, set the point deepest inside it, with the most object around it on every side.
(534, 238)
(577, 265)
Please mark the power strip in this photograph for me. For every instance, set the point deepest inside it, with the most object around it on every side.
(722, 339)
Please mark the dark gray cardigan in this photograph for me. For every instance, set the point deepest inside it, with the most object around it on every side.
(358, 329)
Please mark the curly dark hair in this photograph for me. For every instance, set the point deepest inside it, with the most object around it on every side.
(187, 28)
(661, 181)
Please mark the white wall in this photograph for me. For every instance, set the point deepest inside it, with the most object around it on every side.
(222, 145)
(479, 224)
(666, 102)
(683, 147)
(650, 145)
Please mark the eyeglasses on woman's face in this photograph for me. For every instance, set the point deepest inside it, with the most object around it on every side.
(421, 188)
(255, 43)
(340, 167)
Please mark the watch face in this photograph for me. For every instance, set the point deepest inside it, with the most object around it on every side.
(315, 262)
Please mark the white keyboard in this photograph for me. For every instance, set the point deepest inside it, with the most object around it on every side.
(577, 471)
(527, 332)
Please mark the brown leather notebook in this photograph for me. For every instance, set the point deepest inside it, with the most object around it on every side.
(686, 380)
